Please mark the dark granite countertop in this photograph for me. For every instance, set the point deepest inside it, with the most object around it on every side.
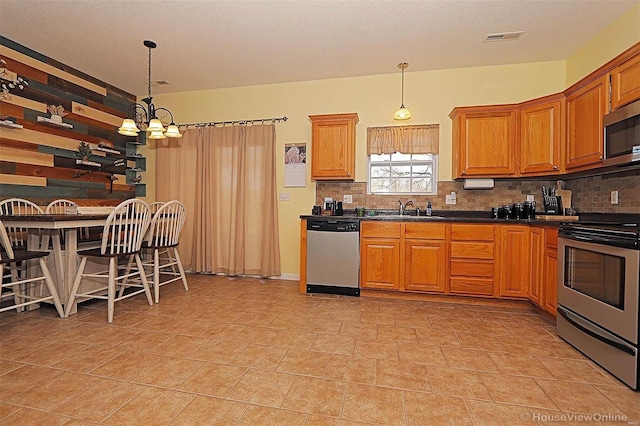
(467, 216)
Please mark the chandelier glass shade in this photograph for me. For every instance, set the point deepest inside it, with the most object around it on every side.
(402, 113)
(150, 118)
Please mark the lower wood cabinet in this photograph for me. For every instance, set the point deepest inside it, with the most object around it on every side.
(380, 264)
(472, 268)
(505, 260)
(381, 260)
(425, 257)
(551, 270)
(537, 274)
(514, 261)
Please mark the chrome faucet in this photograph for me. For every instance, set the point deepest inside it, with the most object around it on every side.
(407, 204)
(403, 207)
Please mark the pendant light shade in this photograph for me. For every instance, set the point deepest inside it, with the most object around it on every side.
(402, 113)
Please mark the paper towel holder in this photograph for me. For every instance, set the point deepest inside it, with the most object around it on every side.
(478, 183)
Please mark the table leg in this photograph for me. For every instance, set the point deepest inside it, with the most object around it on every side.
(71, 244)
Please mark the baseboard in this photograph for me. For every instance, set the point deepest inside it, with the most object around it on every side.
(288, 277)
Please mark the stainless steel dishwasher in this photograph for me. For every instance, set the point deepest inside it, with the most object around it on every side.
(333, 256)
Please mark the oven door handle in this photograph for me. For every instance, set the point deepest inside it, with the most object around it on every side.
(597, 336)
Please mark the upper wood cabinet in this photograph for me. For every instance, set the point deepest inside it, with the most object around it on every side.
(333, 146)
(585, 108)
(484, 141)
(542, 129)
(625, 82)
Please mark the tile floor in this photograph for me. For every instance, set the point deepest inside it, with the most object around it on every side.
(254, 352)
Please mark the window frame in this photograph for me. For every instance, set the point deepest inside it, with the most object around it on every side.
(434, 162)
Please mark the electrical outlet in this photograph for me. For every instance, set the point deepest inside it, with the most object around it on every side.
(614, 197)
(285, 196)
(531, 197)
(450, 199)
(347, 199)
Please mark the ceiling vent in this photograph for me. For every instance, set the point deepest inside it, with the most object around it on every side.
(515, 35)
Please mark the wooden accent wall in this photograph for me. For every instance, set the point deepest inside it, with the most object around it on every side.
(38, 162)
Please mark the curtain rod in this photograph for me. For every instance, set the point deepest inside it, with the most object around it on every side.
(234, 122)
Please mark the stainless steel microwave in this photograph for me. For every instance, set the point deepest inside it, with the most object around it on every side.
(622, 135)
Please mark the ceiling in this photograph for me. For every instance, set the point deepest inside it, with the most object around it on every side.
(227, 43)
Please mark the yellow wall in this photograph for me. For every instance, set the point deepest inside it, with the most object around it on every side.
(617, 37)
(430, 95)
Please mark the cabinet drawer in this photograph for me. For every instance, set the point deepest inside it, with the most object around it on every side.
(480, 286)
(472, 250)
(380, 229)
(429, 231)
(469, 268)
(472, 232)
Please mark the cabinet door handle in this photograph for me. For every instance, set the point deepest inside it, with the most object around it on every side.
(600, 158)
(555, 167)
(464, 172)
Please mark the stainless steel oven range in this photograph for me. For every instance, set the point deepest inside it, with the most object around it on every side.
(598, 295)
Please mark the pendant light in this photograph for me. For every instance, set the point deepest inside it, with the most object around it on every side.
(402, 113)
(149, 117)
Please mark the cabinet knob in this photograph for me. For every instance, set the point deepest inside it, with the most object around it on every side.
(601, 158)
(464, 172)
(555, 167)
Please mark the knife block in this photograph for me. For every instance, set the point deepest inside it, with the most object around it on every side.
(553, 205)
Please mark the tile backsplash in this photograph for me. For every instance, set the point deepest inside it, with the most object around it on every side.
(590, 194)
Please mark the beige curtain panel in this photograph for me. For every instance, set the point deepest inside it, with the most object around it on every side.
(418, 139)
(226, 178)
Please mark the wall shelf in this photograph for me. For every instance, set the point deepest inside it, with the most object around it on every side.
(10, 124)
(88, 163)
(46, 120)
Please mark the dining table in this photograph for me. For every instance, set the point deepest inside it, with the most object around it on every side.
(65, 257)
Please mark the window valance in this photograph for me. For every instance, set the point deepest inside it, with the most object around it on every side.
(417, 139)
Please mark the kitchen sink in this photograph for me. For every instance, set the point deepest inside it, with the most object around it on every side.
(404, 217)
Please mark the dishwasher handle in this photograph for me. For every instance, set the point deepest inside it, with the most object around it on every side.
(333, 226)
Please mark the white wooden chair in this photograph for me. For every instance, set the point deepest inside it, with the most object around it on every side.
(18, 237)
(22, 289)
(122, 236)
(153, 207)
(162, 243)
(15, 206)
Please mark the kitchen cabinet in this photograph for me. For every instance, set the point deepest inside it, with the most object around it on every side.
(625, 82)
(551, 270)
(425, 261)
(380, 255)
(472, 255)
(586, 105)
(537, 275)
(542, 128)
(484, 141)
(333, 146)
(513, 263)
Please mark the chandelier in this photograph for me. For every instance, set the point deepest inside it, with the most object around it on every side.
(151, 119)
(402, 113)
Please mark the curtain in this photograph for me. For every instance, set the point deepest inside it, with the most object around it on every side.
(418, 139)
(226, 178)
